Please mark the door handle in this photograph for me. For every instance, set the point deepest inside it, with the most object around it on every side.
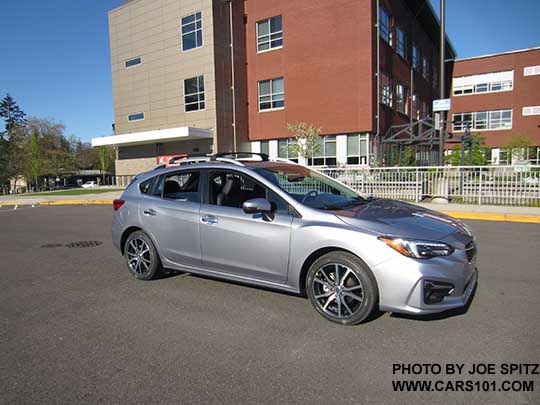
(209, 219)
(149, 212)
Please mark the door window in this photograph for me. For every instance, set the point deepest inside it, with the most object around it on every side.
(231, 189)
(181, 186)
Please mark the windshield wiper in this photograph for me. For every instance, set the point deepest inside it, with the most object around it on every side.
(356, 201)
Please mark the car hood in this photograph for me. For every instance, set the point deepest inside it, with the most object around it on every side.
(396, 218)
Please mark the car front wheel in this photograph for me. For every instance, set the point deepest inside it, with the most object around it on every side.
(342, 288)
(141, 256)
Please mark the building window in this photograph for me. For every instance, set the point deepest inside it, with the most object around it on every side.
(357, 147)
(482, 120)
(385, 26)
(401, 98)
(192, 31)
(269, 34)
(401, 43)
(285, 149)
(133, 62)
(535, 110)
(484, 83)
(271, 94)
(415, 107)
(531, 70)
(415, 57)
(194, 94)
(326, 156)
(425, 67)
(265, 147)
(385, 89)
(135, 117)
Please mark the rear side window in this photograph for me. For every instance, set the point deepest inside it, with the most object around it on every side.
(183, 186)
(146, 186)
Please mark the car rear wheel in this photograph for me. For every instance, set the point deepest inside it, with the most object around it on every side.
(141, 256)
(342, 288)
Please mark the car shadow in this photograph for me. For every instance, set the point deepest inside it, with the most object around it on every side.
(441, 315)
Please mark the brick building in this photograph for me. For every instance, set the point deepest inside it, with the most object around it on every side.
(498, 96)
(209, 75)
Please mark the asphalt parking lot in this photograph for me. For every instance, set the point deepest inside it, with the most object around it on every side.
(76, 327)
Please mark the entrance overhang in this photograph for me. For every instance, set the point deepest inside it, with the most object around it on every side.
(157, 136)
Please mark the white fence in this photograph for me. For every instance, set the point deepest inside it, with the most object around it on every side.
(500, 185)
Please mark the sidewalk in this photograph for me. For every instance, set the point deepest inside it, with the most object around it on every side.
(462, 211)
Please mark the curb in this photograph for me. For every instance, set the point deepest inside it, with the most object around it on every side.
(480, 216)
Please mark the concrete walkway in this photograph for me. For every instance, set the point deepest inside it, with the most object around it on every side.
(463, 211)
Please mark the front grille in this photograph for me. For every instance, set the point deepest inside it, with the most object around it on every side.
(470, 250)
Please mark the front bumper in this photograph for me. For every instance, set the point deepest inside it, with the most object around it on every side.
(401, 283)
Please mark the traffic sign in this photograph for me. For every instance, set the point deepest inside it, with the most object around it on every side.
(441, 105)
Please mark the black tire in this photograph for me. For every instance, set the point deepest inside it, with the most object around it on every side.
(350, 301)
(142, 259)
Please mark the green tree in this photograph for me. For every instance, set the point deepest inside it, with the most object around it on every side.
(478, 155)
(11, 151)
(35, 158)
(308, 139)
(518, 146)
(106, 156)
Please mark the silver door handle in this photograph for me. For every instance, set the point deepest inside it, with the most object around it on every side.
(209, 219)
(149, 212)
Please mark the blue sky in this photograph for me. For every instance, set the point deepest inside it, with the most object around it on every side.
(55, 54)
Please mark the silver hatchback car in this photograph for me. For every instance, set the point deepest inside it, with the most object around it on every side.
(277, 224)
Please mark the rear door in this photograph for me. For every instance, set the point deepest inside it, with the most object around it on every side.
(249, 245)
(170, 214)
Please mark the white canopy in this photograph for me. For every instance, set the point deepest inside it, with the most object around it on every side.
(158, 136)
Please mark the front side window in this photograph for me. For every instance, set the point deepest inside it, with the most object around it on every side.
(194, 94)
(357, 149)
(136, 117)
(310, 187)
(182, 186)
(269, 34)
(326, 155)
(192, 31)
(271, 94)
(285, 149)
(385, 26)
(401, 46)
(385, 89)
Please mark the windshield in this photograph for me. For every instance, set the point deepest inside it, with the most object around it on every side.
(310, 187)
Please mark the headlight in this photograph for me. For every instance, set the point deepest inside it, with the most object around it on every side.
(417, 249)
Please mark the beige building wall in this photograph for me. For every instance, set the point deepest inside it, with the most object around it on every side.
(151, 29)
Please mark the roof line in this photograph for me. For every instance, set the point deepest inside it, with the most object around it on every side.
(499, 53)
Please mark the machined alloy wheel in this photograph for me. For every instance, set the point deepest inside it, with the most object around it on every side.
(141, 255)
(342, 288)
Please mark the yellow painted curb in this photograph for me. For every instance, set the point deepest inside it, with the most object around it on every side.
(483, 216)
(76, 202)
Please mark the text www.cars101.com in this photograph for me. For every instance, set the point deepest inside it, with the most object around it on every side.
(462, 386)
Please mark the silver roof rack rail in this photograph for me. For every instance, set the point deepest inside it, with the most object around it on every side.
(228, 160)
(283, 160)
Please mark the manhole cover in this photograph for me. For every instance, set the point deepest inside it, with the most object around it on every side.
(84, 244)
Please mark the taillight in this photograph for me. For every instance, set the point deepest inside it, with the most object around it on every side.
(117, 204)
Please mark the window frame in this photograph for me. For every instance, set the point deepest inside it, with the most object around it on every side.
(198, 94)
(489, 121)
(401, 104)
(182, 33)
(401, 46)
(415, 59)
(385, 27)
(138, 119)
(322, 153)
(362, 159)
(271, 95)
(386, 97)
(269, 35)
(289, 142)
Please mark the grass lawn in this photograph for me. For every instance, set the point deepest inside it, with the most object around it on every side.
(75, 191)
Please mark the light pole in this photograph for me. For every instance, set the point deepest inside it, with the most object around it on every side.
(441, 82)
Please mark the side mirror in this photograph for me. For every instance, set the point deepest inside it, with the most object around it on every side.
(257, 206)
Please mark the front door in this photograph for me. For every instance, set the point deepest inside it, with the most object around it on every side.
(248, 245)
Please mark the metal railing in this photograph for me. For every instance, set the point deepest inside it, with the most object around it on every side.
(498, 185)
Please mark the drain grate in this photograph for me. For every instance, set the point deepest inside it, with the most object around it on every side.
(79, 244)
(84, 244)
(52, 245)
